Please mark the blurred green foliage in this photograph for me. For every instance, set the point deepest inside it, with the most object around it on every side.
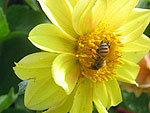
(4, 29)
(33, 4)
(135, 104)
(7, 100)
(1, 3)
(17, 18)
(22, 19)
(15, 25)
(144, 4)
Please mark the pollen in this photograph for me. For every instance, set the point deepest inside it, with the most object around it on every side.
(99, 53)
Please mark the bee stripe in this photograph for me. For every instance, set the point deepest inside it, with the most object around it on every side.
(104, 45)
(104, 52)
(103, 48)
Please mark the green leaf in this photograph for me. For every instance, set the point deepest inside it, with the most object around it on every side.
(144, 4)
(14, 110)
(7, 100)
(1, 3)
(19, 103)
(4, 29)
(132, 103)
(19, 106)
(22, 86)
(12, 51)
(33, 4)
(147, 31)
(22, 18)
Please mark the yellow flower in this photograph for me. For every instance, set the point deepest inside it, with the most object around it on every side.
(90, 45)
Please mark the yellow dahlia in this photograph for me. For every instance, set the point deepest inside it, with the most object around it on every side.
(90, 45)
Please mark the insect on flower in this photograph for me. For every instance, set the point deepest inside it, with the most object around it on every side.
(102, 53)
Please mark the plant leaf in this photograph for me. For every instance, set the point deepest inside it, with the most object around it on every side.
(22, 18)
(4, 29)
(135, 104)
(33, 4)
(7, 100)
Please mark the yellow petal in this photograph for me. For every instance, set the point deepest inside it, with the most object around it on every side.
(43, 94)
(118, 12)
(114, 92)
(135, 25)
(100, 93)
(65, 107)
(83, 97)
(100, 97)
(60, 13)
(37, 65)
(127, 72)
(87, 14)
(65, 71)
(73, 2)
(100, 107)
(137, 49)
(50, 38)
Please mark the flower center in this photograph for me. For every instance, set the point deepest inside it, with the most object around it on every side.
(99, 54)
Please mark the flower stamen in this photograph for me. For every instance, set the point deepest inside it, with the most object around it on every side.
(99, 54)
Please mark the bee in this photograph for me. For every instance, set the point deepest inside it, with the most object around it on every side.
(102, 54)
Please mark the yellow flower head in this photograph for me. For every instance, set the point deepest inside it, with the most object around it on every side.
(90, 45)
